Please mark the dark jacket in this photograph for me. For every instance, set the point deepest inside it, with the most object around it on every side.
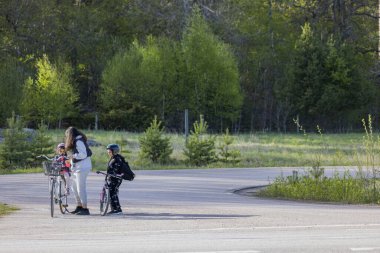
(115, 164)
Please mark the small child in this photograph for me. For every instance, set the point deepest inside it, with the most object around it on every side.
(64, 162)
(114, 167)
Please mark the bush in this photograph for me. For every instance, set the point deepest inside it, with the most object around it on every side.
(15, 150)
(153, 145)
(226, 155)
(41, 143)
(200, 149)
(21, 146)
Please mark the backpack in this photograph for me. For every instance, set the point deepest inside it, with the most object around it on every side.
(126, 171)
(88, 150)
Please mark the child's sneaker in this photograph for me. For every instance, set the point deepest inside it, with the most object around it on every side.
(115, 212)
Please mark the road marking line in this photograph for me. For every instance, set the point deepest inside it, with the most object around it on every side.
(234, 251)
(364, 249)
(255, 228)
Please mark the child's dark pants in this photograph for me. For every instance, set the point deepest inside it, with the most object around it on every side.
(114, 184)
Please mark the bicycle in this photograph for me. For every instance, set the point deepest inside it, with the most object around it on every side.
(104, 196)
(57, 185)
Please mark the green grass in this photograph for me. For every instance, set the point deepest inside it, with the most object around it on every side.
(6, 209)
(361, 150)
(257, 150)
(341, 187)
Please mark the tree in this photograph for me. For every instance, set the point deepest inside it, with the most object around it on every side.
(15, 150)
(211, 76)
(226, 154)
(51, 95)
(200, 148)
(154, 146)
(329, 84)
(262, 36)
(11, 80)
(41, 143)
(141, 82)
(309, 73)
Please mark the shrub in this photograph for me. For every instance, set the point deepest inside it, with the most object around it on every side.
(200, 149)
(15, 150)
(344, 188)
(41, 143)
(153, 145)
(226, 155)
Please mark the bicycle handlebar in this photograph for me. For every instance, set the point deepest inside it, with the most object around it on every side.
(45, 157)
(106, 174)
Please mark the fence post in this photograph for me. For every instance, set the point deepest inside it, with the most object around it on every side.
(96, 121)
(186, 124)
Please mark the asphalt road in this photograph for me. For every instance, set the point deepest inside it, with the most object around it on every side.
(185, 211)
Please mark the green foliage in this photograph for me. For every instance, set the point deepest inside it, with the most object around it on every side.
(309, 75)
(363, 187)
(51, 95)
(211, 74)
(41, 144)
(206, 59)
(11, 80)
(153, 145)
(21, 146)
(327, 80)
(226, 155)
(15, 149)
(200, 149)
(344, 188)
(143, 79)
(371, 158)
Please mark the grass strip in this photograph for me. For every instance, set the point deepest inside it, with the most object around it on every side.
(6, 209)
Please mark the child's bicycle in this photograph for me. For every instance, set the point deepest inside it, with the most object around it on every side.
(56, 185)
(105, 198)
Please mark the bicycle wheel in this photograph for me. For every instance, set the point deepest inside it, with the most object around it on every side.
(62, 199)
(104, 201)
(52, 190)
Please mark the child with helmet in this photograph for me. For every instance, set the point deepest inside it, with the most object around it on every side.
(114, 167)
(62, 160)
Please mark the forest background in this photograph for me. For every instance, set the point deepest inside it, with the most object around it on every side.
(245, 65)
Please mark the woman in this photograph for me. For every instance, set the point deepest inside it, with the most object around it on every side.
(76, 142)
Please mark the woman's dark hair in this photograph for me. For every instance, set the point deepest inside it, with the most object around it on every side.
(70, 134)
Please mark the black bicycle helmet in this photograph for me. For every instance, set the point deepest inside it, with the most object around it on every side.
(114, 147)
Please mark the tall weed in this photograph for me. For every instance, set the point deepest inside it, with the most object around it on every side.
(346, 187)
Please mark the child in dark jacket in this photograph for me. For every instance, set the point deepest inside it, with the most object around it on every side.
(114, 167)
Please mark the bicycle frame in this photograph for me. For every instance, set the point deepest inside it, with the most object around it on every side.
(56, 186)
(105, 198)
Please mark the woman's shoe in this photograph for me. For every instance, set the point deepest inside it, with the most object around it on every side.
(83, 211)
(77, 209)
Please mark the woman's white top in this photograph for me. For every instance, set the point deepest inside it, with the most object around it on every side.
(85, 162)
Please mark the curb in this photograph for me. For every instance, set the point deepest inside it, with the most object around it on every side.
(249, 191)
